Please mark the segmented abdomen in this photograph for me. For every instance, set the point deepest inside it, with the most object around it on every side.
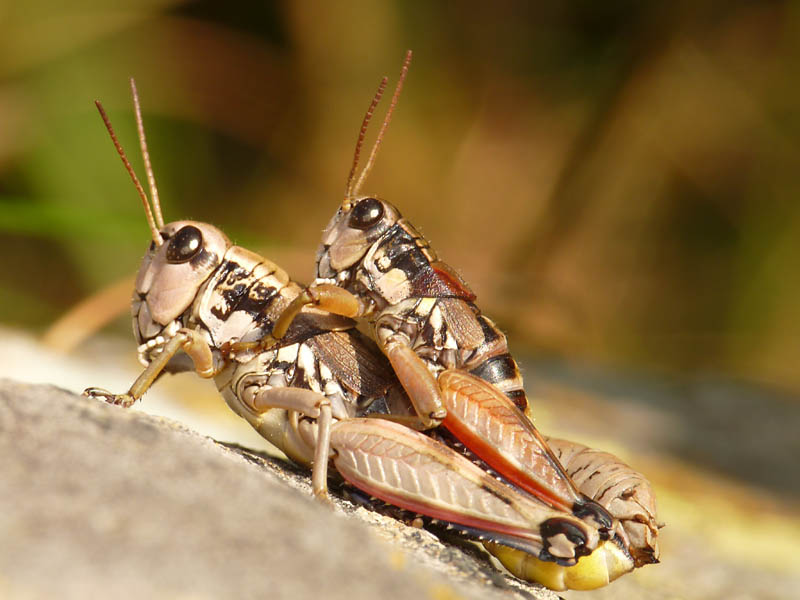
(494, 364)
(625, 493)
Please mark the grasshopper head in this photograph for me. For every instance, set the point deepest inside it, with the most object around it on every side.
(181, 257)
(352, 232)
(171, 275)
(361, 220)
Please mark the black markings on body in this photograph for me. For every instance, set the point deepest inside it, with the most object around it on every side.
(490, 332)
(497, 369)
(402, 251)
(241, 293)
(223, 312)
(519, 398)
(505, 500)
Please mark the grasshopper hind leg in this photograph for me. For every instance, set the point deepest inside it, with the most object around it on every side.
(417, 473)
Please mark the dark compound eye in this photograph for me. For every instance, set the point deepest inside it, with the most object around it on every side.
(184, 245)
(366, 213)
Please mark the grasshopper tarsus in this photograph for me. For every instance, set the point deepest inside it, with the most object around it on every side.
(124, 400)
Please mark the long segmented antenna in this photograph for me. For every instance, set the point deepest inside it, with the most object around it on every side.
(348, 194)
(386, 120)
(150, 220)
(151, 178)
(361, 134)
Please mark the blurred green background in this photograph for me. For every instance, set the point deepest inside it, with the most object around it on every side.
(617, 180)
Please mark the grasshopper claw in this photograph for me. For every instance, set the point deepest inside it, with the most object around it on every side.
(325, 498)
(124, 400)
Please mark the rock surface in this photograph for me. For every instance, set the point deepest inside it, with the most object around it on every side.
(98, 501)
(726, 537)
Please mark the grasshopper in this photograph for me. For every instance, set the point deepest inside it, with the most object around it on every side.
(203, 304)
(454, 363)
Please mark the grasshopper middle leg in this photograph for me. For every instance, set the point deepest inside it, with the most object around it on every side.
(312, 405)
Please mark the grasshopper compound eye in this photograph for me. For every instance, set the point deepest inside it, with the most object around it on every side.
(184, 245)
(366, 213)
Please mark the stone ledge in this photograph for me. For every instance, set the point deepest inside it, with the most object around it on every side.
(98, 501)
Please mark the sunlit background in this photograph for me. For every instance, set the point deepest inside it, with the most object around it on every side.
(618, 181)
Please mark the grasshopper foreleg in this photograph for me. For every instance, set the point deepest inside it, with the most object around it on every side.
(325, 296)
(187, 340)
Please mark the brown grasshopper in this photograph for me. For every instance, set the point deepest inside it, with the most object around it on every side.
(199, 296)
(454, 362)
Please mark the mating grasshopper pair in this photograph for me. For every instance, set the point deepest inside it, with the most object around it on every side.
(290, 361)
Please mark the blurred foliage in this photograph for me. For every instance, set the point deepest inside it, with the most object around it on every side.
(617, 180)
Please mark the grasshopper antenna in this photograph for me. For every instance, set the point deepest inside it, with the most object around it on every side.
(151, 178)
(348, 194)
(354, 189)
(148, 212)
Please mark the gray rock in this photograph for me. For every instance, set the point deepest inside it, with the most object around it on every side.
(98, 501)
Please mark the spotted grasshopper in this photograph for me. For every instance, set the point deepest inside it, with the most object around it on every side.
(455, 366)
(203, 304)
